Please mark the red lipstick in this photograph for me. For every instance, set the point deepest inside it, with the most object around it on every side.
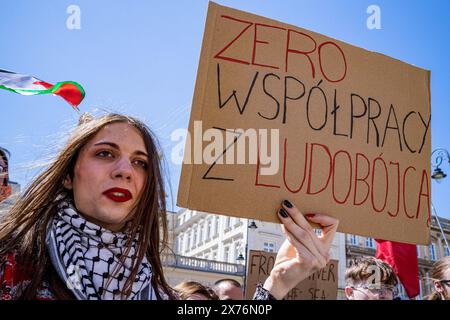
(118, 194)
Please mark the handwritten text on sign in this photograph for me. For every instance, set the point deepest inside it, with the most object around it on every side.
(322, 285)
(352, 129)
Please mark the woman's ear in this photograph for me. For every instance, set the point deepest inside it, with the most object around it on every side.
(438, 287)
(68, 183)
(349, 293)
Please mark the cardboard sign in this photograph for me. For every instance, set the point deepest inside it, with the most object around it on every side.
(280, 112)
(322, 285)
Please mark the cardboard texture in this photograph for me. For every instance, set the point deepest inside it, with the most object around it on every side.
(353, 129)
(322, 285)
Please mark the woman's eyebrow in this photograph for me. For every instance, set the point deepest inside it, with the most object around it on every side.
(116, 146)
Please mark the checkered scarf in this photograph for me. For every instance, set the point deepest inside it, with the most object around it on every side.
(86, 257)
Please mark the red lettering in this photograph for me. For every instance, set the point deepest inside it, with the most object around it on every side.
(350, 178)
(373, 184)
(359, 179)
(305, 53)
(219, 56)
(255, 41)
(334, 61)
(398, 190)
(427, 195)
(284, 168)
(404, 189)
(257, 174)
(311, 166)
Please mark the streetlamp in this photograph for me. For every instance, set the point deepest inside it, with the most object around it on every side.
(240, 258)
(437, 157)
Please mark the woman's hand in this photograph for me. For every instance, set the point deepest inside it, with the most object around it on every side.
(303, 252)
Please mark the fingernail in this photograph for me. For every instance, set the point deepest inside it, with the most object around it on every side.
(309, 215)
(287, 204)
(283, 213)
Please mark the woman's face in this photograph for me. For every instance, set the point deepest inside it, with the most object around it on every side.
(109, 175)
(444, 288)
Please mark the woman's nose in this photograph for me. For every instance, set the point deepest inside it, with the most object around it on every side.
(123, 169)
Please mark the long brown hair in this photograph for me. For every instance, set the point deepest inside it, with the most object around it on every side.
(23, 230)
(437, 273)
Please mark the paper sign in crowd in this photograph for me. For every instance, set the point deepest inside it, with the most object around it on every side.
(280, 112)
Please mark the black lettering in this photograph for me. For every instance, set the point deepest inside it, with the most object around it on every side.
(392, 111)
(427, 125)
(334, 114)
(206, 175)
(274, 99)
(233, 95)
(353, 114)
(372, 119)
(286, 97)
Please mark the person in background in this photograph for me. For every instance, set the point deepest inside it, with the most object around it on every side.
(192, 290)
(440, 275)
(5, 188)
(228, 289)
(369, 278)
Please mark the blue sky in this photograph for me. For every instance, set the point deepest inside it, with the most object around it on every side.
(141, 57)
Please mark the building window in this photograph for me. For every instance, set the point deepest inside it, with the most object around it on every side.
(201, 232)
(209, 229)
(227, 222)
(194, 237)
(433, 252)
(419, 252)
(226, 253)
(353, 240)
(236, 250)
(184, 243)
(216, 227)
(421, 293)
(179, 244)
(370, 243)
(446, 250)
(269, 247)
(189, 242)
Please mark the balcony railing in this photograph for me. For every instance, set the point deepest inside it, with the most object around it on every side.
(205, 265)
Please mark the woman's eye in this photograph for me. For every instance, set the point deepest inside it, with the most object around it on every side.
(104, 154)
(141, 163)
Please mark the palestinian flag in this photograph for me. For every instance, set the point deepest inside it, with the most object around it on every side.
(27, 85)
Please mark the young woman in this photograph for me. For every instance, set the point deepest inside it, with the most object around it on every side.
(92, 226)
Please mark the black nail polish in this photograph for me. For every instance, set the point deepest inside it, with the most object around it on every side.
(287, 204)
(283, 213)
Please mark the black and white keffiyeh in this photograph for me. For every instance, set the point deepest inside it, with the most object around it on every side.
(86, 256)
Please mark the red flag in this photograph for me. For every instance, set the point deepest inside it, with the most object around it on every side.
(402, 257)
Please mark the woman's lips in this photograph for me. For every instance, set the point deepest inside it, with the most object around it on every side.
(118, 194)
